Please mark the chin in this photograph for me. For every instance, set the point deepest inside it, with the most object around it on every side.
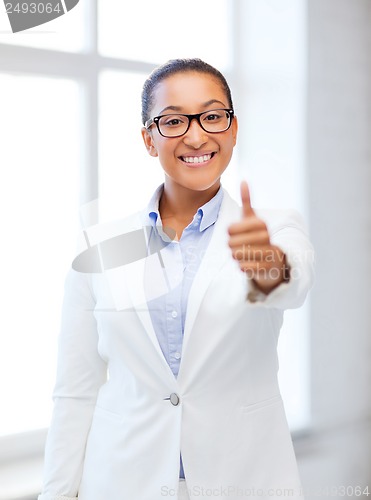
(201, 186)
(194, 179)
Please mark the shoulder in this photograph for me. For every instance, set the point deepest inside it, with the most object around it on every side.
(277, 219)
(229, 208)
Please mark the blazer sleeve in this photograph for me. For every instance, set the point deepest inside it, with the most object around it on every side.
(287, 231)
(80, 373)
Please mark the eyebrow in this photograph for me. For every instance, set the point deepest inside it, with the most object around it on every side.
(204, 105)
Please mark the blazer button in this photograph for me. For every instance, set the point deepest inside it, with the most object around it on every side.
(174, 399)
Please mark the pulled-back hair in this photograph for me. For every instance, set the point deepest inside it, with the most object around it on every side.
(171, 68)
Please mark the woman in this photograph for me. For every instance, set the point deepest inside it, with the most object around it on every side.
(167, 372)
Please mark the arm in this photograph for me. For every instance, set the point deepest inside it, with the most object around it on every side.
(80, 374)
(288, 233)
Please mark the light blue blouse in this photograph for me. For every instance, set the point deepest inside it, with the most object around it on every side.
(181, 261)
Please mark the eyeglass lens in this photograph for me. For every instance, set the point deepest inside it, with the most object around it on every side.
(214, 121)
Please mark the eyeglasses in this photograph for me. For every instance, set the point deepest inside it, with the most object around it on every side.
(175, 125)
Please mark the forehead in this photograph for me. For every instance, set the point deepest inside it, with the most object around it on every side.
(188, 91)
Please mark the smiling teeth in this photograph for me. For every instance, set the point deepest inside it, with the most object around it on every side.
(196, 159)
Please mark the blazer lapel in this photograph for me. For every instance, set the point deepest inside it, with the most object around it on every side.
(128, 287)
(217, 253)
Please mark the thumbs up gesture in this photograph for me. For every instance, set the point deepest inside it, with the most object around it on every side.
(249, 241)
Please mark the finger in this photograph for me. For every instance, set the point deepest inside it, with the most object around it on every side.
(253, 253)
(258, 269)
(247, 225)
(247, 210)
(255, 238)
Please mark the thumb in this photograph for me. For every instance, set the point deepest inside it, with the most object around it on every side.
(247, 210)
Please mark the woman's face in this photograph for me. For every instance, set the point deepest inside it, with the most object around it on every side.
(191, 93)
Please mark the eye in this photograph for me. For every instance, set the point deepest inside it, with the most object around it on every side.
(171, 121)
(212, 116)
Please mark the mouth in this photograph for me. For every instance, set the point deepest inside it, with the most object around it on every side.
(197, 160)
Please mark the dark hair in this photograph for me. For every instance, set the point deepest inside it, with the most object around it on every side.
(171, 68)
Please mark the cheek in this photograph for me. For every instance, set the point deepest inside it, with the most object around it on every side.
(165, 148)
(228, 146)
(166, 157)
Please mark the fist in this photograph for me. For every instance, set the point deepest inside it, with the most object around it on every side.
(250, 244)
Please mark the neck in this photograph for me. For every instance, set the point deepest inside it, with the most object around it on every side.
(182, 203)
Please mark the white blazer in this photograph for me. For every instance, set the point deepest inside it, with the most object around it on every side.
(120, 437)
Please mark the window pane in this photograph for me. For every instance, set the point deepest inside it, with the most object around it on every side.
(39, 130)
(67, 32)
(157, 31)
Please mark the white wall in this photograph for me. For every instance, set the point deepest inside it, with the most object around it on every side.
(339, 182)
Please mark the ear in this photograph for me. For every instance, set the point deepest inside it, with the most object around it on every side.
(234, 127)
(148, 142)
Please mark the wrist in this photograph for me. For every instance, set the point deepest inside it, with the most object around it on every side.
(273, 277)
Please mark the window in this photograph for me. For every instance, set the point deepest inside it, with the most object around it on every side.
(67, 144)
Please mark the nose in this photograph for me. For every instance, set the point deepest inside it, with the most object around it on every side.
(195, 136)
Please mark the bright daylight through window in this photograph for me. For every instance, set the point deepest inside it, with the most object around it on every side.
(70, 128)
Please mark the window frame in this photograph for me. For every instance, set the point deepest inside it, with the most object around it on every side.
(85, 68)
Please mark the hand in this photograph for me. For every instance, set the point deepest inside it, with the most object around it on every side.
(249, 241)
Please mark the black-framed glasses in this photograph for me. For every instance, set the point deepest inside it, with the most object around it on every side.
(176, 124)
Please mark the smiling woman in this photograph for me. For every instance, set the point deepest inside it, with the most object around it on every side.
(189, 333)
(193, 152)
